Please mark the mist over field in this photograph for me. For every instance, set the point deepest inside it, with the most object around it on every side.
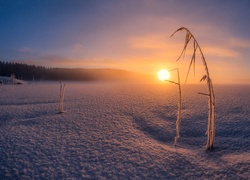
(121, 131)
(41, 73)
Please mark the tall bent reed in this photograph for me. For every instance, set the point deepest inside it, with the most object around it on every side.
(211, 97)
(62, 90)
(178, 120)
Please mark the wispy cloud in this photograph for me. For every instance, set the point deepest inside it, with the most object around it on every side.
(148, 42)
(77, 47)
(239, 43)
(26, 50)
(220, 51)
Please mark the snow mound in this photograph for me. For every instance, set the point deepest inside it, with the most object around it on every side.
(11, 80)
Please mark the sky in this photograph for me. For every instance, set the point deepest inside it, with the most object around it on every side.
(132, 35)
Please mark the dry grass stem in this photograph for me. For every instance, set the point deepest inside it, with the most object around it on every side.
(62, 90)
(178, 120)
(210, 94)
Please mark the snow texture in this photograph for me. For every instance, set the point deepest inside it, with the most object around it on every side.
(11, 80)
(121, 131)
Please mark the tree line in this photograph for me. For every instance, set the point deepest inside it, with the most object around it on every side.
(41, 73)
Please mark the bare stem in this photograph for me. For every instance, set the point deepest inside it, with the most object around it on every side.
(178, 120)
(62, 90)
(210, 94)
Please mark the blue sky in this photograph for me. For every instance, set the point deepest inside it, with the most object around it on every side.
(127, 34)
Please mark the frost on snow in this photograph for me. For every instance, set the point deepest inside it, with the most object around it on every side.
(121, 131)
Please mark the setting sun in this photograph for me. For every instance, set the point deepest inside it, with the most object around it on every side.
(163, 75)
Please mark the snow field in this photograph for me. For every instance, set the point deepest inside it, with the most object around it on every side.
(121, 131)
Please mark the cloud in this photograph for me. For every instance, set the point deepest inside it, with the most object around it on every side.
(240, 43)
(64, 62)
(220, 51)
(147, 42)
(26, 50)
(77, 47)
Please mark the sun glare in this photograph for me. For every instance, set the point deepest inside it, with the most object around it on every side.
(163, 75)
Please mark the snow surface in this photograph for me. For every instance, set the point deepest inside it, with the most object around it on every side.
(121, 131)
(11, 80)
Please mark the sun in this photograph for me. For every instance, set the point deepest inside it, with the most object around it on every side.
(163, 75)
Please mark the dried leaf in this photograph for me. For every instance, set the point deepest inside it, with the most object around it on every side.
(172, 82)
(188, 38)
(177, 31)
(189, 70)
(203, 78)
(204, 94)
(193, 57)
(185, 47)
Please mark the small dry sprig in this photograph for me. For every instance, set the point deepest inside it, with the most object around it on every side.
(211, 97)
(62, 90)
(178, 120)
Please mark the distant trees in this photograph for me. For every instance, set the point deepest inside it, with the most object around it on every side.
(22, 71)
(38, 73)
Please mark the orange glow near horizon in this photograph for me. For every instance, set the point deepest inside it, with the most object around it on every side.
(149, 54)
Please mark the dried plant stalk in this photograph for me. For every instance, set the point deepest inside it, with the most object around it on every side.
(211, 97)
(62, 90)
(178, 120)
